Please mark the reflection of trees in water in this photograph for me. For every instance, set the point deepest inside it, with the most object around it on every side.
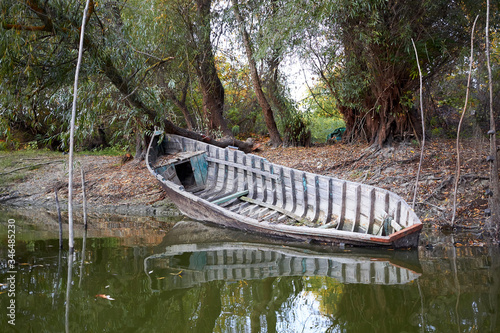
(460, 292)
(375, 308)
(219, 305)
(461, 287)
(259, 300)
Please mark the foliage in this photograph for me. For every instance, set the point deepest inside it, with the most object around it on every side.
(362, 51)
(142, 66)
(322, 126)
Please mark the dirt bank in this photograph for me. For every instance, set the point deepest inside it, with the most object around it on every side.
(127, 188)
(111, 186)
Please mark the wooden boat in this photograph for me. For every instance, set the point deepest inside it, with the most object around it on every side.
(192, 254)
(244, 191)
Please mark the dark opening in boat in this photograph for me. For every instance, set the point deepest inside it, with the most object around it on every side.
(185, 174)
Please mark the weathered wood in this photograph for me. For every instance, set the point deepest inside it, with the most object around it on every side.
(329, 202)
(294, 197)
(276, 196)
(357, 211)
(241, 166)
(263, 179)
(317, 199)
(229, 197)
(343, 206)
(283, 189)
(278, 209)
(371, 217)
(305, 201)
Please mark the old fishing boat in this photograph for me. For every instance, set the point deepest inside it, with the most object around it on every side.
(193, 253)
(244, 191)
(187, 265)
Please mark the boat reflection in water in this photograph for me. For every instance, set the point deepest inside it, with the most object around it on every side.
(193, 254)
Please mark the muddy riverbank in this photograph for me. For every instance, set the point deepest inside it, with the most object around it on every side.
(115, 186)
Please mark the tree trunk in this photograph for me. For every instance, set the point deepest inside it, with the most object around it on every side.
(181, 104)
(494, 200)
(129, 92)
(210, 85)
(385, 118)
(266, 108)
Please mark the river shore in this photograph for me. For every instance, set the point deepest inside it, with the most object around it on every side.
(29, 179)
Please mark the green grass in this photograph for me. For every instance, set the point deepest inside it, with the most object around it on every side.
(27, 159)
(109, 151)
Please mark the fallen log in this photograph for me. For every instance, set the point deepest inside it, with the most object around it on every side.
(29, 166)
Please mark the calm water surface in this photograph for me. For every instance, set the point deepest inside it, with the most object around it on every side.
(145, 275)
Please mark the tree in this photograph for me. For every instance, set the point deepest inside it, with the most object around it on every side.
(264, 104)
(108, 49)
(362, 50)
(196, 29)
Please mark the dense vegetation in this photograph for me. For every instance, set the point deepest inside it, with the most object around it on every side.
(221, 69)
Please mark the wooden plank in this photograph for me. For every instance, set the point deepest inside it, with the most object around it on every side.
(235, 179)
(270, 216)
(304, 193)
(253, 177)
(183, 143)
(357, 209)
(395, 225)
(249, 209)
(224, 182)
(278, 209)
(317, 202)
(200, 169)
(263, 178)
(342, 206)
(283, 189)
(329, 202)
(258, 213)
(230, 197)
(238, 207)
(294, 197)
(215, 178)
(273, 186)
(371, 216)
(242, 166)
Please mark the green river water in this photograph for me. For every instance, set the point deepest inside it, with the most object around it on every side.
(168, 275)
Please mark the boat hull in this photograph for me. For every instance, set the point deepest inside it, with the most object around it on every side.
(199, 208)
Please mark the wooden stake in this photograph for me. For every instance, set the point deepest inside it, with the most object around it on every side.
(84, 199)
(494, 200)
(60, 220)
(72, 132)
(457, 173)
(423, 128)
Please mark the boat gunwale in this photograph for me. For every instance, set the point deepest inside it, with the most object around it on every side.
(296, 231)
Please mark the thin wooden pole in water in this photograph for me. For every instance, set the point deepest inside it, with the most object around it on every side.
(59, 219)
(494, 200)
(457, 172)
(68, 291)
(423, 128)
(72, 131)
(84, 199)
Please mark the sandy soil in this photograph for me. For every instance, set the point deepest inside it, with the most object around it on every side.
(116, 187)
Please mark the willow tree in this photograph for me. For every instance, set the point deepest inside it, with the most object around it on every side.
(363, 51)
(43, 35)
(257, 85)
